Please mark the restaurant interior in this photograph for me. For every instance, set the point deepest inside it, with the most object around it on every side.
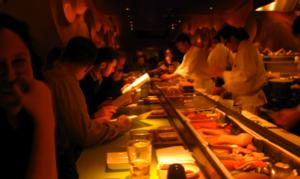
(178, 128)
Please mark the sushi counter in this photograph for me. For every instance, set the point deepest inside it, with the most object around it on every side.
(209, 139)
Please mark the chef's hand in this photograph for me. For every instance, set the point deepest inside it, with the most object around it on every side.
(124, 123)
(287, 118)
(105, 111)
(213, 71)
(36, 99)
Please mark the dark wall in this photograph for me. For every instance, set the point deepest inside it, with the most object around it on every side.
(50, 27)
(37, 14)
(273, 30)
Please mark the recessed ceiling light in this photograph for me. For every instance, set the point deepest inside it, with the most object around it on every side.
(127, 9)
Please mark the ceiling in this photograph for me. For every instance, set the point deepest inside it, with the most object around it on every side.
(160, 18)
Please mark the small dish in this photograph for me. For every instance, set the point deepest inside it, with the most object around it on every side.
(168, 136)
(165, 129)
(191, 171)
(117, 160)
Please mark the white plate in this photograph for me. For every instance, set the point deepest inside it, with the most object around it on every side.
(117, 160)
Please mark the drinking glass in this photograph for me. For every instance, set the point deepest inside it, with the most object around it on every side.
(140, 134)
(139, 158)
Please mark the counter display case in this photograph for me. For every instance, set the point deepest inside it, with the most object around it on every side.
(231, 143)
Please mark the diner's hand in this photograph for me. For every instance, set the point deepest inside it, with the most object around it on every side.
(36, 99)
(287, 118)
(124, 123)
(105, 111)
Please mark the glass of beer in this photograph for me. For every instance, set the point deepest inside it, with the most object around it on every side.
(139, 158)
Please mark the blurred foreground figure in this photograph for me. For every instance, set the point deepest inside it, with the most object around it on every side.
(26, 114)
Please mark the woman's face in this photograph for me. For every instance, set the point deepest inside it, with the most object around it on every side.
(15, 64)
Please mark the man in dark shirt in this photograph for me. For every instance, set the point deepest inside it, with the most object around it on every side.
(104, 66)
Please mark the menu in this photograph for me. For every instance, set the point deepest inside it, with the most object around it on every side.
(137, 83)
(123, 100)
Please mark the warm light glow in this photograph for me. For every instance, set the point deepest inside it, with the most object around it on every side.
(269, 7)
(280, 6)
(172, 26)
(198, 41)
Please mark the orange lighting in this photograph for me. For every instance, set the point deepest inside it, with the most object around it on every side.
(280, 6)
(269, 7)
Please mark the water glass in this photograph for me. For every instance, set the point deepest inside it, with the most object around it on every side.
(139, 158)
(140, 134)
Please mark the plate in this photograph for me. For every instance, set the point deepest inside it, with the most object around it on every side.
(117, 160)
(168, 136)
(191, 171)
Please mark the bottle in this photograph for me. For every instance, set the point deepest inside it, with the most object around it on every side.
(176, 171)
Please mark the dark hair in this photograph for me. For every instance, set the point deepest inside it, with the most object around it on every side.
(53, 56)
(105, 54)
(183, 38)
(21, 29)
(296, 25)
(241, 34)
(228, 31)
(217, 38)
(80, 50)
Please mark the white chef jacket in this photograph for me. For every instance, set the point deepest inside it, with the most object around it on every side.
(247, 77)
(194, 66)
(220, 57)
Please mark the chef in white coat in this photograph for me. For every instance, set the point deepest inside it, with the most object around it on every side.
(194, 65)
(247, 77)
(219, 57)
